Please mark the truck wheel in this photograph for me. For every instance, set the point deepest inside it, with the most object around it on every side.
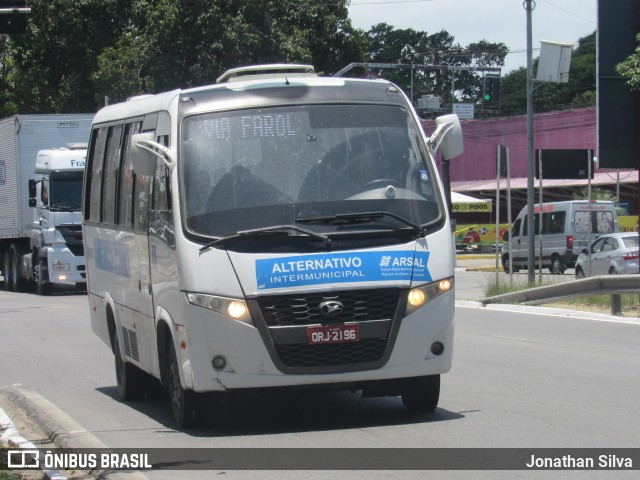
(18, 282)
(130, 379)
(6, 270)
(421, 394)
(189, 408)
(40, 275)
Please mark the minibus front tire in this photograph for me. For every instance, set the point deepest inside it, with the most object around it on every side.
(421, 394)
(189, 408)
(131, 381)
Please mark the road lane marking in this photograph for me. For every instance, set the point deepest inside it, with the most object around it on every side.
(529, 341)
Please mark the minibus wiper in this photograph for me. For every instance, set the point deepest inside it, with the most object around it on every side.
(276, 229)
(361, 217)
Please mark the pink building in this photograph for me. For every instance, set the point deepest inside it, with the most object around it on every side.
(474, 172)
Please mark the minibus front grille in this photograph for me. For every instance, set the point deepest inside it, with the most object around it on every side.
(301, 355)
(284, 321)
(304, 309)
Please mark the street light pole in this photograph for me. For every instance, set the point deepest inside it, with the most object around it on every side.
(529, 6)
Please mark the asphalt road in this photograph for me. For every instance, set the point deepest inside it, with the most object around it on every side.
(518, 380)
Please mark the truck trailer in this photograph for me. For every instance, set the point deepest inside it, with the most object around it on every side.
(42, 160)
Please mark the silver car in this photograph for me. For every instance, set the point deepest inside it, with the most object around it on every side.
(613, 253)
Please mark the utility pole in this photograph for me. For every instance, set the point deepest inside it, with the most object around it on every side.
(529, 6)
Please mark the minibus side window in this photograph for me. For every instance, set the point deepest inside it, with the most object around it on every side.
(127, 178)
(94, 177)
(111, 169)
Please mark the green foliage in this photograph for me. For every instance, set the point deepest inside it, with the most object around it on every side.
(76, 52)
(580, 91)
(629, 68)
(408, 46)
(601, 195)
(596, 194)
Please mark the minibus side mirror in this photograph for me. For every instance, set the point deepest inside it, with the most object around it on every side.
(452, 143)
(143, 161)
(145, 152)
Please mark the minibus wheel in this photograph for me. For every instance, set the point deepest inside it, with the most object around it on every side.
(189, 408)
(131, 381)
(421, 394)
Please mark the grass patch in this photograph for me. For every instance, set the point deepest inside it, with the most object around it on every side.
(591, 303)
(501, 284)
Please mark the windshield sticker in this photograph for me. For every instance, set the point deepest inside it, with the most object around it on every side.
(345, 267)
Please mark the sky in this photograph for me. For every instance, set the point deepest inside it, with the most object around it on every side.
(470, 21)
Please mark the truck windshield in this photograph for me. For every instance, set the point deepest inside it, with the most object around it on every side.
(256, 168)
(65, 191)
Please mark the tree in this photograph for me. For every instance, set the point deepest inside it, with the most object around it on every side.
(76, 52)
(629, 68)
(580, 91)
(184, 43)
(408, 46)
(48, 67)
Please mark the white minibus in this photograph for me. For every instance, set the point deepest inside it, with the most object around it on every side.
(274, 230)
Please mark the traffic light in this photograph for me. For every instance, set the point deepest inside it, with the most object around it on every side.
(13, 16)
(491, 92)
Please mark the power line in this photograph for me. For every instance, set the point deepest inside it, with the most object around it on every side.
(569, 12)
(389, 2)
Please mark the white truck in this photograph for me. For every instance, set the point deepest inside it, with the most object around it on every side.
(42, 160)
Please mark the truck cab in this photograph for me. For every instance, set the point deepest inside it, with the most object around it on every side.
(56, 253)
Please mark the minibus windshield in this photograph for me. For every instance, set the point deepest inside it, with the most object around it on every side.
(255, 168)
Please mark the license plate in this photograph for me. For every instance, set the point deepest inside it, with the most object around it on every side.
(324, 334)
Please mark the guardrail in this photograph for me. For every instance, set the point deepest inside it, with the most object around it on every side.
(613, 285)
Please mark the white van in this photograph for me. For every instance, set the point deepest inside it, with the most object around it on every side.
(567, 228)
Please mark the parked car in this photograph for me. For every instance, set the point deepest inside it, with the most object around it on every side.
(610, 254)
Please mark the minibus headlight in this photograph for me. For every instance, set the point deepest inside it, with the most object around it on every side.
(419, 296)
(231, 307)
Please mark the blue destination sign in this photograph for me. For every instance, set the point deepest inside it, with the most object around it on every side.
(343, 267)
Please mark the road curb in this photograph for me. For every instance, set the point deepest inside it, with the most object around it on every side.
(62, 430)
(538, 310)
(10, 435)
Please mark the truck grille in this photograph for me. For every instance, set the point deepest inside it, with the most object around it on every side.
(73, 238)
(286, 318)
